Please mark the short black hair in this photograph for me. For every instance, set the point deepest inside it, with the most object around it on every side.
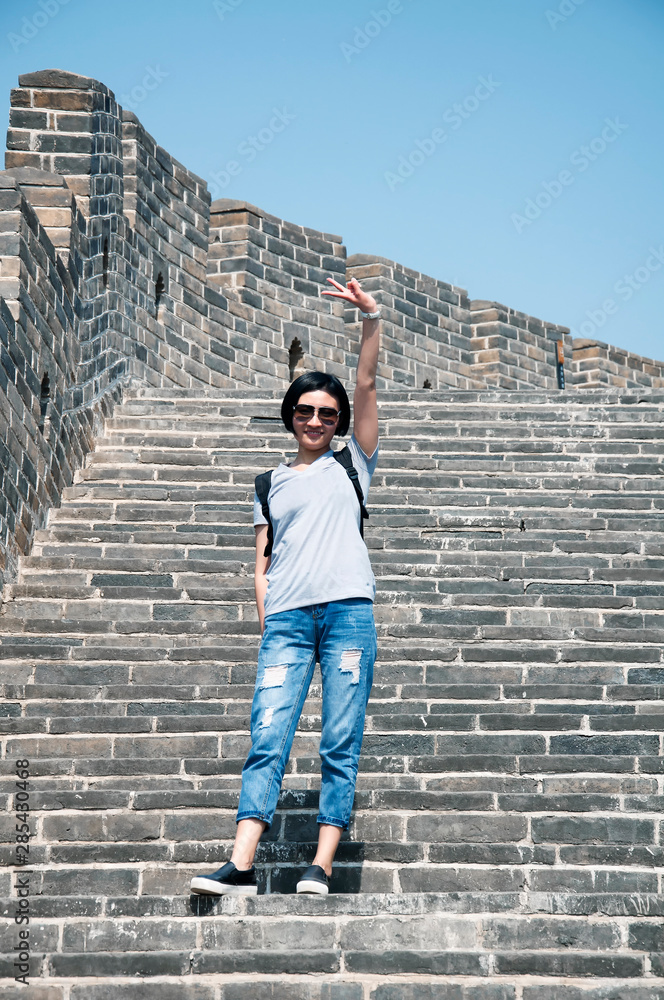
(311, 382)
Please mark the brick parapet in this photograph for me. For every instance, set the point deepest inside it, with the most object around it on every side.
(597, 365)
(513, 350)
(52, 405)
(426, 335)
(273, 272)
(69, 124)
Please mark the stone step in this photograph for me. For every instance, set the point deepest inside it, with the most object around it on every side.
(629, 446)
(40, 661)
(96, 501)
(466, 849)
(209, 540)
(551, 429)
(625, 443)
(237, 556)
(199, 532)
(537, 696)
(378, 865)
(361, 866)
(108, 659)
(397, 591)
(639, 396)
(57, 894)
(79, 518)
(412, 934)
(411, 398)
(102, 782)
(477, 701)
(430, 624)
(394, 589)
(425, 499)
(585, 469)
(119, 515)
(509, 413)
(130, 783)
(97, 613)
(203, 580)
(472, 561)
(262, 437)
(473, 550)
(344, 986)
(166, 580)
(576, 772)
(152, 400)
(469, 472)
(492, 747)
(244, 467)
(402, 718)
(222, 641)
(398, 804)
(233, 413)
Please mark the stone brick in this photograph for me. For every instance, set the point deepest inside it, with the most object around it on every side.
(596, 830)
(442, 991)
(596, 966)
(466, 828)
(149, 991)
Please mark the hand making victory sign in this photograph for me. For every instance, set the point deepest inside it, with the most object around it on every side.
(353, 294)
(365, 407)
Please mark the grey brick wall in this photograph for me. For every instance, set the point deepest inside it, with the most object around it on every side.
(272, 273)
(425, 324)
(54, 395)
(515, 351)
(598, 365)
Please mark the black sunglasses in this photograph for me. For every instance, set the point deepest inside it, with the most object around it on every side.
(327, 414)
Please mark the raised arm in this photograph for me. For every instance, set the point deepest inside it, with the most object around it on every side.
(365, 407)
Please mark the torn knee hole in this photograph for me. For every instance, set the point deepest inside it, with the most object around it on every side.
(350, 663)
(274, 676)
(267, 717)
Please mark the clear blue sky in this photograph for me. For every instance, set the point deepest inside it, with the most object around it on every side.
(542, 189)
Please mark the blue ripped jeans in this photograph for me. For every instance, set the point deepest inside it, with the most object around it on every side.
(342, 635)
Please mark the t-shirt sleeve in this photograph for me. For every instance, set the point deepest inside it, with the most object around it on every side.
(365, 465)
(258, 511)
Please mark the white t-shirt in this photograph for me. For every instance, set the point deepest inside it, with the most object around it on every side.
(318, 554)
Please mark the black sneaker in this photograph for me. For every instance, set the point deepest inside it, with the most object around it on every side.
(227, 881)
(314, 880)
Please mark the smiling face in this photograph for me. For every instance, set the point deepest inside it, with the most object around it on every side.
(312, 434)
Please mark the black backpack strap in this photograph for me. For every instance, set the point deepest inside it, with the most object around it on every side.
(344, 458)
(262, 489)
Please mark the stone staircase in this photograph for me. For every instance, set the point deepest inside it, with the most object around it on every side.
(506, 842)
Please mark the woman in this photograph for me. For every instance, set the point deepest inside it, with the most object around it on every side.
(314, 595)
